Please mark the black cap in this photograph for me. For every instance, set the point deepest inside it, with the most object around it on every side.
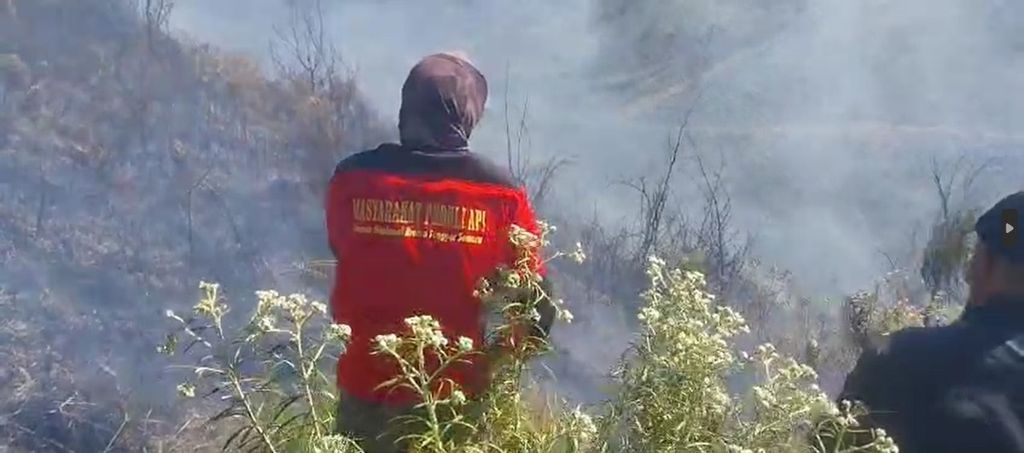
(998, 228)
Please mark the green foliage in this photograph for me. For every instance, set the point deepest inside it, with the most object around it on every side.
(672, 394)
(270, 373)
(423, 355)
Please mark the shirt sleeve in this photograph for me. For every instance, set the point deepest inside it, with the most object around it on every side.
(879, 381)
(861, 383)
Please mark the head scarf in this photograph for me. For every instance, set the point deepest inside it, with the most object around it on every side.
(442, 101)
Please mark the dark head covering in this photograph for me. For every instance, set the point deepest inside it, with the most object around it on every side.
(442, 100)
(991, 229)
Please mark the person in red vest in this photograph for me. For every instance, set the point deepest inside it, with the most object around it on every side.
(414, 226)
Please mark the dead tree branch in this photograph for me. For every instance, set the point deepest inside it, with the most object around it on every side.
(946, 253)
(309, 54)
(188, 207)
(716, 236)
(537, 178)
(156, 14)
(652, 207)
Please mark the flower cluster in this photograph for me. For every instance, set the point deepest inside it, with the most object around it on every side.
(338, 334)
(283, 353)
(465, 344)
(845, 415)
(187, 390)
(787, 396)
(286, 314)
(210, 304)
(428, 329)
(578, 255)
(581, 427)
(675, 392)
(386, 343)
(840, 427)
(513, 295)
(682, 316)
(563, 314)
(523, 239)
(439, 397)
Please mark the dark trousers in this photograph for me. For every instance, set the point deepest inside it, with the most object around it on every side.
(372, 425)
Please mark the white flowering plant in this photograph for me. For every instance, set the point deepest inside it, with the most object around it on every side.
(840, 431)
(271, 377)
(676, 391)
(515, 298)
(424, 354)
(673, 394)
(500, 419)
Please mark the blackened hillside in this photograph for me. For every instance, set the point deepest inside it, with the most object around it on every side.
(132, 165)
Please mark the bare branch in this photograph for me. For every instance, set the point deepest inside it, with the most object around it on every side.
(941, 188)
(156, 14)
(946, 252)
(309, 55)
(539, 178)
(654, 205)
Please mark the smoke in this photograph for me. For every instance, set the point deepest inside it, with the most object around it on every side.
(827, 113)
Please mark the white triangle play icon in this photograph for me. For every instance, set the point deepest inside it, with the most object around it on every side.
(1009, 228)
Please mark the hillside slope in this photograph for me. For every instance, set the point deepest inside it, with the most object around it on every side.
(132, 165)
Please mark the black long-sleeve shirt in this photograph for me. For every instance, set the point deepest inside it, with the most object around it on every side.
(956, 388)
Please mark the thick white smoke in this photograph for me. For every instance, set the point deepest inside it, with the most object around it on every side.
(828, 112)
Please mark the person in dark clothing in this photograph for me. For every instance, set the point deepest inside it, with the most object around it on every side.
(957, 388)
(414, 226)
